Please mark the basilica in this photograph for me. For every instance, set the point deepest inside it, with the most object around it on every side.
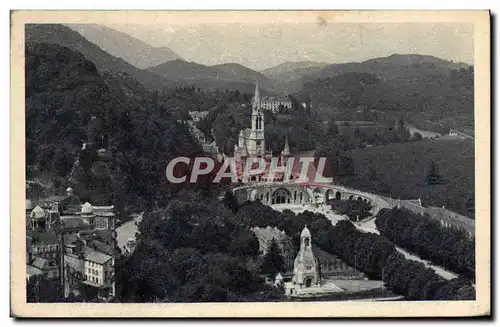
(251, 141)
(252, 144)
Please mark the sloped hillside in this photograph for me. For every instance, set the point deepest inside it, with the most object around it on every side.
(222, 77)
(66, 37)
(68, 103)
(122, 45)
(400, 171)
(414, 84)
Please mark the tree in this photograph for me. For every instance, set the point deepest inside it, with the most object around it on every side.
(433, 176)
(272, 262)
(41, 289)
(372, 174)
(332, 129)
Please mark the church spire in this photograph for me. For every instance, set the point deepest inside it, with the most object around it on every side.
(256, 97)
(244, 151)
(286, 149)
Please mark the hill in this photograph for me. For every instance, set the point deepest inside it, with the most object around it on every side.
(394, 67)
(240, 72)
(400, 171)
(69, 102)
(419, 86)
(124, 46)
(66, 37)
(288, 76)
(226, 76)
(291, 66)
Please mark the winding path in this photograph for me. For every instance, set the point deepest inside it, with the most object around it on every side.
(367, 226)
(127, 230)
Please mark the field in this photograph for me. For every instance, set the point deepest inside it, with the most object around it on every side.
(401, 170)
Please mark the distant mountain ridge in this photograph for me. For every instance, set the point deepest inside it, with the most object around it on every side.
(290, 66)
(121, 45)
(230, 76)
(410, 83)
(393, 66)
(66, 37)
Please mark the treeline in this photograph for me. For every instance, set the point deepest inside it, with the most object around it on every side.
(370, 253)
(451, 248)
(191, 251)
(417, 282)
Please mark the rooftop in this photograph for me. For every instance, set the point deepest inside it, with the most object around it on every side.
(96, 256)
(42, 263)
(74, 222)
(42, 238)
(33, 271)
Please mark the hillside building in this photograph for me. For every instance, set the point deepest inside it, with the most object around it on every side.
(73, 242)
(275, 104)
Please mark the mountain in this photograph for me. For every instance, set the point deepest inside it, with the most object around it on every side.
(68, 102)
(240, 72)
(413, 84)
(225, 76)
(396, 66)
(290, 66)
(288, 76)
(64, 36)
(122, 45)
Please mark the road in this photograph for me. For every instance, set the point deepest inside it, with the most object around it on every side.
(127, 230)
(367, 226)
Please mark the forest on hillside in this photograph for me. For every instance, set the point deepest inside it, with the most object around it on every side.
(69, 103)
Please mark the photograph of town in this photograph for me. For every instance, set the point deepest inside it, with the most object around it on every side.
(249, 162)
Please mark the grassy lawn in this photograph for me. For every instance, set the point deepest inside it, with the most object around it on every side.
(401, 170)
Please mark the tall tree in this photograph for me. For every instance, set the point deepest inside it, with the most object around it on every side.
(272, 262)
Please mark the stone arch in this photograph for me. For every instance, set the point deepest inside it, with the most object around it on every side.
(351, 197)
(359, 199)
(308, 281)
(308, 196)
(329, 194)
(281, 195)
(253, 195)
(338, 195)
(319, 196)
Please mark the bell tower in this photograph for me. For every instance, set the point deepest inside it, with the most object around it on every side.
(306, 267)
(256, 142)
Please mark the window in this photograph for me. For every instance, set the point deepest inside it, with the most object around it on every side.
(89, 270)
(308, 267)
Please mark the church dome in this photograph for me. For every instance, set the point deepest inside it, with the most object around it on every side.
(305, 232)
(87, 208)
(38, 213)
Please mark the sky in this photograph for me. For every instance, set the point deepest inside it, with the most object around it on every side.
(263, 45)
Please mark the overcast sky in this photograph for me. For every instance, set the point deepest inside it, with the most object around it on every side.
(259, 46)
